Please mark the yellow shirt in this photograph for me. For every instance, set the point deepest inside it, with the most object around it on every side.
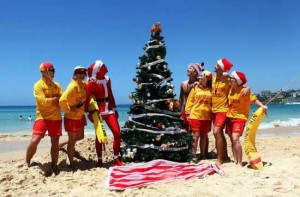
(220, 90)
(198, 104)
(238, 104)
(74, 97)
(43, 92)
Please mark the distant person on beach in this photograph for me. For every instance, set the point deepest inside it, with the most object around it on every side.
(238, 112)
(48, 116)
(193, 71)
(100, 88)
(29, 118)
(220, 90)
(72, 103)
(198, 109)
(20, 117)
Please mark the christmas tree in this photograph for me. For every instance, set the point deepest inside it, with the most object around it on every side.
(154, 129)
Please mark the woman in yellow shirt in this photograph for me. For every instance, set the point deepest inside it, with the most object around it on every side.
(198, 110)
(72, 103)
(238, 112)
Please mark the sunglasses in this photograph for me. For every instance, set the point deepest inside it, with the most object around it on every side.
(232, 78)
(81, 72)
(51, 69)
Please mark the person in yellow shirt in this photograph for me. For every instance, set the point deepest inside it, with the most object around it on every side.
(238, 112)
(48, 116)
(220, 89)
(72, 103)
(198, 110)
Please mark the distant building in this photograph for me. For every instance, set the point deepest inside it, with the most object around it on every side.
(266, 93)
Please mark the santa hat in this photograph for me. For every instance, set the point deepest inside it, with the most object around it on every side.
(197, 67)
(225, 65)
(95, 67)
(240, 77)
(45, 65)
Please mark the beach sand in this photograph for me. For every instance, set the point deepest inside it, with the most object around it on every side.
(278, 149)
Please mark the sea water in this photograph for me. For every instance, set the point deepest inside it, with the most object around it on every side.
(278, 116)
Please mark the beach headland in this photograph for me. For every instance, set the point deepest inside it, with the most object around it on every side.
(279, 177)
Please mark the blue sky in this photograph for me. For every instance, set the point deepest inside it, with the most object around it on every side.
(260, 37)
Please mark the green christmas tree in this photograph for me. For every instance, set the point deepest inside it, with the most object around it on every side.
(154, 129)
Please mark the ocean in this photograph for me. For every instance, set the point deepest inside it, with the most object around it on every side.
(278, 115)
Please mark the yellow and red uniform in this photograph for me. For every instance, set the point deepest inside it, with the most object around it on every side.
(220, 90)
(44, 91)
(198, 107)
(74, 96)
(238, 110)
(239, 104)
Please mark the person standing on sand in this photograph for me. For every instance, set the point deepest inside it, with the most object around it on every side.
(72, 103)
(198, 110)
(48, 116)
(220, 90)
(193, 71)
(238, 112)
(100, 88)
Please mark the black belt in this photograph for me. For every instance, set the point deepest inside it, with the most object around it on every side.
(100, 100)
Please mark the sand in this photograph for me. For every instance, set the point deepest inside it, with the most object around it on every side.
(280, 176)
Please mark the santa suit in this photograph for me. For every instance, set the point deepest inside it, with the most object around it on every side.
(101, 90)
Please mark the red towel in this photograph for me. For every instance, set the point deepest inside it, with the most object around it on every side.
(156, 171)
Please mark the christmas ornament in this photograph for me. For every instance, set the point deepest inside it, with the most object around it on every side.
(148, 94)
(130, 95)
(158, 57)
(136, 79)
(159, 125)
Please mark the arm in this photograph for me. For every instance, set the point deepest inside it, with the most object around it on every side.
(40, 96)
(111, 98)
(190, 102)
(89, 91)
(181, 96)
(63, 100)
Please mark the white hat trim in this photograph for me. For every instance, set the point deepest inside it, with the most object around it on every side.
(220, 63)
(98, 64)
(238, 79)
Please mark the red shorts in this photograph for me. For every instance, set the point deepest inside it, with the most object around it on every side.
(72, 125)
(52, 126)
(219, 119)
(202, 126)
(235, 125)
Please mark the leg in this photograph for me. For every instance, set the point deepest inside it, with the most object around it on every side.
(203, 142)
(54, 152)
(32, 147)
(225, 152)
(71, 146)
(80, 136)
(98, 147)
(219, 144)
(113, 124)
(196, 136)
(206, 147)
(237, 148)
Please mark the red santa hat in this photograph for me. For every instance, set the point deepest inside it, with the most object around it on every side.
(197, 67)
(240, 77)
(95, 67)
(225, 65)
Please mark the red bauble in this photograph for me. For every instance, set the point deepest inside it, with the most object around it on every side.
(159, 125)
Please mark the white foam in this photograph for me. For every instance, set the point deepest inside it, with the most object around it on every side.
(278, 123)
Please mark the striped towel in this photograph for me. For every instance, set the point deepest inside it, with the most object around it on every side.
(156, 171)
